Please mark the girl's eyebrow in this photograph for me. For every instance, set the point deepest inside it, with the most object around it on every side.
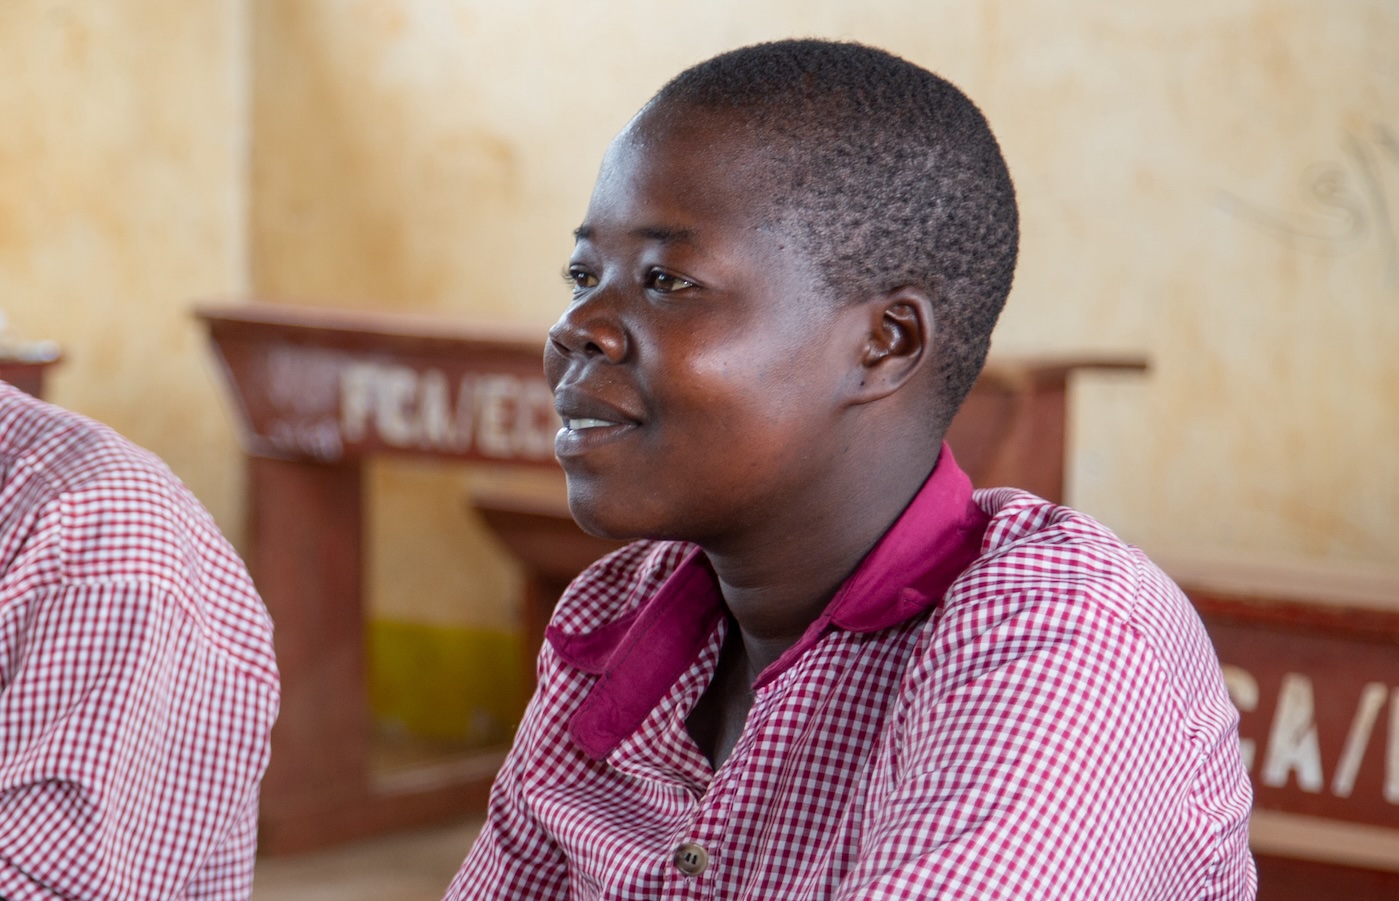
(666, 235)
(660, 233)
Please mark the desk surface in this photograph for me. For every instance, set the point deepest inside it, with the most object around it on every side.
(1325, 583)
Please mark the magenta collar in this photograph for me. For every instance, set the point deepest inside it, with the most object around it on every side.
(639, 657)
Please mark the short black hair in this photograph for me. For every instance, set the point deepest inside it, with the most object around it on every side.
(887, 173)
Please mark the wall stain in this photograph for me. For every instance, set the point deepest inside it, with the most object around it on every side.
(1347, 204)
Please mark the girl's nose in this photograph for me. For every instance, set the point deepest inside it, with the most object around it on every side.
(590, 329)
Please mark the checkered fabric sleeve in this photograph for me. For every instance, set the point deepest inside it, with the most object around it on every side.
(137, 680)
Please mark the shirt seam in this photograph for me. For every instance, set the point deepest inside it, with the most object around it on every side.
(158, 590)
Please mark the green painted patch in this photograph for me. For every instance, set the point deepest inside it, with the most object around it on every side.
(443, 683)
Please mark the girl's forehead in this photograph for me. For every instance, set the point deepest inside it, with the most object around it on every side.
(726, 136)
(685, 162)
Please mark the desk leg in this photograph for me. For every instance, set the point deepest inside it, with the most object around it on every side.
(27, 377)
(305, 556)
(322, 786)
(1033, 452)
(541, 594)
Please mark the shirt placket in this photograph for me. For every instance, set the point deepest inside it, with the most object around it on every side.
(703, 863)
(662, 751)
(699, 852)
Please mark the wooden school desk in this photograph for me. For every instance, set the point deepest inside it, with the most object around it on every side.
(319, 391)
(1311, 658)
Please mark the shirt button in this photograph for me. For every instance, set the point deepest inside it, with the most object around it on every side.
(691, 859)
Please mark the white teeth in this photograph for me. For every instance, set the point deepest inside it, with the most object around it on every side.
(575, 424)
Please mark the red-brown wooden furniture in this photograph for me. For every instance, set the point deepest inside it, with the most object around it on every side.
(1311, 654)
(25, 365)
(318, 391)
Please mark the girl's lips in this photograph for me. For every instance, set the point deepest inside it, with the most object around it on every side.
(588, 422)
(580, 436)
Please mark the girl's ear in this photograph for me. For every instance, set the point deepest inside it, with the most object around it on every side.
(898, 343)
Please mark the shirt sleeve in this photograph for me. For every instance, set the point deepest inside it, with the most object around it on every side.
(1049, 755)
(131, 749)
(512, 856)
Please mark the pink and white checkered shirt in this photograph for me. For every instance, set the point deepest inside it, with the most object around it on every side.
(137, 681)
(1003, 701)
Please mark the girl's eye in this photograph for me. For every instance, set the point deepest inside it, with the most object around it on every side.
(580, 279)
(667, 283)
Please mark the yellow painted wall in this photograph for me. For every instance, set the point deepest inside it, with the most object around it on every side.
(123, 136)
